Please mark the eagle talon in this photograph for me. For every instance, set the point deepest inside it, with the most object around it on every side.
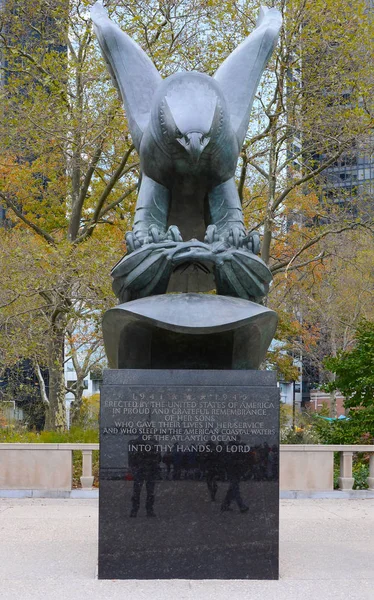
(174, 234)
(252, 242)
(236, 237)
(132, 242)
(154, 235)
(211, 234)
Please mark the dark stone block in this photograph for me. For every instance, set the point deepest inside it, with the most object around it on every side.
(189, 475)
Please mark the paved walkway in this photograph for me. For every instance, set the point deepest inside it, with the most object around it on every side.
(48, 551)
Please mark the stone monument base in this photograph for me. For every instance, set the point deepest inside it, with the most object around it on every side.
(189, 474)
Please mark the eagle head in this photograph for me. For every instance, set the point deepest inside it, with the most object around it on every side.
(190, 113)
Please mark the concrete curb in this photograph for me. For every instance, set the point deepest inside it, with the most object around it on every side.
(284, 494)
(330, 494)
(69, 494)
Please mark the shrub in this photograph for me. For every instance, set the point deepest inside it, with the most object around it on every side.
(88, 417)
(304, 431)
(299, 435)
(74, 435)
(360, 471)
(357, 429)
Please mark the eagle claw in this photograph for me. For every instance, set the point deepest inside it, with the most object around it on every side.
(252, 242)
(236, 237)
(173, 234)
(211, 234)
(135, 240)
(132, 242)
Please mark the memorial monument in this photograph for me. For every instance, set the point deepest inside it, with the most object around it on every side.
(188, 425)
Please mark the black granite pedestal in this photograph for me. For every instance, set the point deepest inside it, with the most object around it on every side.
(189, 474)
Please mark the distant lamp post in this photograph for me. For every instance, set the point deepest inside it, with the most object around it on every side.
(294, 405)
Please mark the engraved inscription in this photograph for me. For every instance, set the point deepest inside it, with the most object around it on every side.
(188, 417)
(217, 439)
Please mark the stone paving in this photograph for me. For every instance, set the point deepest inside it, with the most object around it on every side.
(48, 550)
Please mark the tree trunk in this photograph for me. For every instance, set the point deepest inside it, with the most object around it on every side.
(269, 218)
(77, 404)
(266, 240)
(333, 411)
(56, 413)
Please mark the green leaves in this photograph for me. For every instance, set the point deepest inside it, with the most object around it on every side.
(355, 369)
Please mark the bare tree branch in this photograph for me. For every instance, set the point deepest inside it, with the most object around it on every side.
(90, 171)
(118, 173)
(43, 391)
(119, 200)
(314, 241)
(44, 234)
(259, 169)
(312, 175)
(321, 255)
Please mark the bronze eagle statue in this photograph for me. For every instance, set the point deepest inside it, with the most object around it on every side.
(188, 129)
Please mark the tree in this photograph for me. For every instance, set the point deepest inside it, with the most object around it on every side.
(307, 128)
(328, 300)
(316, 112)
(354, 369)
(85, 350)
(63, 153)
(68, 169)
(26, 312)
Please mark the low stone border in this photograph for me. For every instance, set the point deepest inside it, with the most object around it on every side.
(284, 494)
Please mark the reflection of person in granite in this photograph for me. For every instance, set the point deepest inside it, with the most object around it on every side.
(144, 462)
(210, 464)
(236, 463)
(222, 475)
(272, 464)
(264, 458)
(167, 459)
(177, 457)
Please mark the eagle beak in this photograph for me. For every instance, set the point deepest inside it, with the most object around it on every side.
(194, 143)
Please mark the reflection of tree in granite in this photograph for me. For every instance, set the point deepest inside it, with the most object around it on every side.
(236, 467)
(273, 465)
(144, 461)
(264, 462)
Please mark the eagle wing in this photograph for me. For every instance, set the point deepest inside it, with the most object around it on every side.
(240, 73)
(133, 73)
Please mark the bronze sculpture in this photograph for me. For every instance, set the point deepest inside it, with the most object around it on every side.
(188, 130)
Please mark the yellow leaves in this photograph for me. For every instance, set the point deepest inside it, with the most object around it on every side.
(288, 326)
(283, 363)
(302, 202)
(38, 188)
(329, 298)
